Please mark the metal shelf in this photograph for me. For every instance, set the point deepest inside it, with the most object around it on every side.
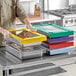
(9, 61)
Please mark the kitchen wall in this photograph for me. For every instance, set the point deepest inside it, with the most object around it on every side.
(57, 4)
(29, 5)
(72, 2)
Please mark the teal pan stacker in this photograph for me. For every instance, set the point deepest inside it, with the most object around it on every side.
(53, 31)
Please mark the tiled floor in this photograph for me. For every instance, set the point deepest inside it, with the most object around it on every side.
(71, 71)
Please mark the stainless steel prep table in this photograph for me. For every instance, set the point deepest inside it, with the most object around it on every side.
(45, 19)
(8, 62)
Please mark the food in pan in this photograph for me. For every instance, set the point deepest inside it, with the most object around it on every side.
(24, 34)
(14, 45)
(27, 48)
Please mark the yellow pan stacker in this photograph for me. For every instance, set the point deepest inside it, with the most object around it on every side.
(37, 38)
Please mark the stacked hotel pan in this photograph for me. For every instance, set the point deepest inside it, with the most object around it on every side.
(25, 44)
(60, 39)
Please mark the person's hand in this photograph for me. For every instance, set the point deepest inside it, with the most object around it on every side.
(32, 29)
(6, 34)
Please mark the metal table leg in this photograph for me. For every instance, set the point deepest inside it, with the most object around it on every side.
(42, 54)
(7, 73)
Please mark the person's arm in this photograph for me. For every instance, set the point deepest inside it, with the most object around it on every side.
(5, 33)
(28, 24)
(1, 29)
(23, 16)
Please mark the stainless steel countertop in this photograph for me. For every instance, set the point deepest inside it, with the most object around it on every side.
(8, 61)
(44, 17)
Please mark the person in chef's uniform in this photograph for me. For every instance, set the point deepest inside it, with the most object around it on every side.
(9, 10)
